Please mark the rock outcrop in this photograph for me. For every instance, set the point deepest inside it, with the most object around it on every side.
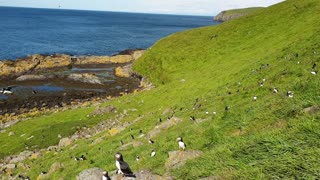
(125, 71)
(163, 126)
(234, 14)
(38, 62)
(90, 174)
(179, 158)
(31, 78)
(85, 78)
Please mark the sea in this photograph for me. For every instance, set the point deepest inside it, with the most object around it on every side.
(26, 31)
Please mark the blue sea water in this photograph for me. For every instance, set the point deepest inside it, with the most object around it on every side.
(25, 31)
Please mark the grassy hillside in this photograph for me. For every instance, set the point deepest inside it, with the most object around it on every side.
(209, 69)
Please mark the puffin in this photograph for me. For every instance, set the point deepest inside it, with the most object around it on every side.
(153, 153)
(7, 90)
(290, 94)
(150, 141)
(137, 158)
(275, 90)
(254, 98)
(122, 166)
(182, 145)
(105, 176)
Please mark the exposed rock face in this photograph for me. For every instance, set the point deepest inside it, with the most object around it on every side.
(104, 110)
(124, 71)
(179, 158)
(142, 175)
(65, 142)
(121, 59)
(90, 174)
(21, 157)
(234, 14)
(165, 125)
(85, 78)
(92, 60)
(31, 78)
(312, 109)
(40, 62)
(222, 16)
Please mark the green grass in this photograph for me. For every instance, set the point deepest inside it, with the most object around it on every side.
(272, 138)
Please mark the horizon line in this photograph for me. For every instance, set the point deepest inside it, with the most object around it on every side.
(109, 11)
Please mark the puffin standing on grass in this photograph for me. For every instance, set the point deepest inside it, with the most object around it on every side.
(122, 166)
(182, 145)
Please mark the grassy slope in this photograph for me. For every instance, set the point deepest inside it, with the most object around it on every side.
(277, 139)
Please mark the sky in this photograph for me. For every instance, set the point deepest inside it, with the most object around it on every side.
(183, 7)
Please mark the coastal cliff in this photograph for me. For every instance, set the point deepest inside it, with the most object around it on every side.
(235, 13)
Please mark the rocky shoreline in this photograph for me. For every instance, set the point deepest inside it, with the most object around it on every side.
(83, 80)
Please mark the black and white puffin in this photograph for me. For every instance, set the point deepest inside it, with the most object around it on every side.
(290, 94)
(122, 166)
(182, 145)
(7, 90)
(150, 141)
(105, 176)
(153, 153)
(137, 158)
(254, 98)
(192, 118)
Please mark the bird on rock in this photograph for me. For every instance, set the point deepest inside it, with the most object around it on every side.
(122, 166)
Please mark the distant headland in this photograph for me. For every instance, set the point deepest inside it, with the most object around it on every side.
(228, 15)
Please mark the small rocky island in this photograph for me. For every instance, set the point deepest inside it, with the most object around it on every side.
(42, 82)
(228, 15)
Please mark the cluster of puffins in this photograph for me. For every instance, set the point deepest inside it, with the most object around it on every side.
(123, 167)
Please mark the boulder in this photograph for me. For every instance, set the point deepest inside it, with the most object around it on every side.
(312, 109)
(10, 167)
(55, 167)
(142, 175)
(48, 62)
(90, 174)
(137, 54)
(52, 148)
(21, 157)
(146, 175)
(11, 134)
(104, 110)
(85, 78)
(121, 59)
(124, 71)
(179, 158)
(165, 125)
(65, 142)
(92, 60)
(31, 78)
